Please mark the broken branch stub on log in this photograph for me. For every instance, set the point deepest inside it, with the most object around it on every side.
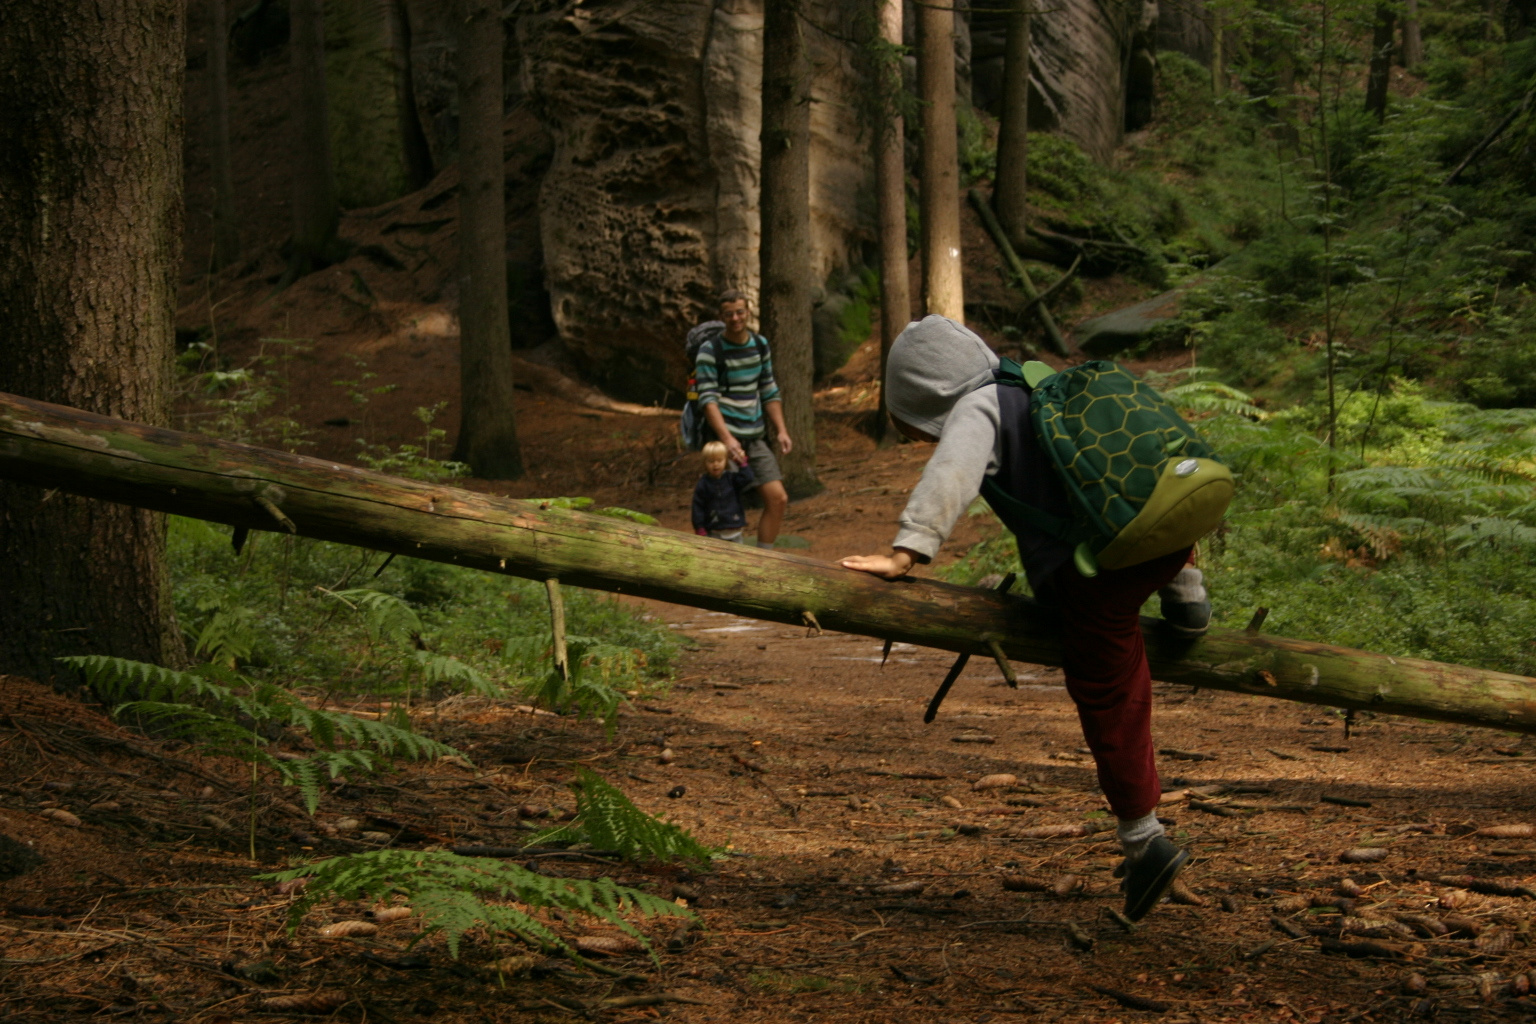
(170, 471)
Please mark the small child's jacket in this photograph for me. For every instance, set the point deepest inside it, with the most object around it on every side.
(717, 500)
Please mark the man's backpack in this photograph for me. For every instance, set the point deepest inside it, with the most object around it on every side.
(693, 426)
(1140, 481)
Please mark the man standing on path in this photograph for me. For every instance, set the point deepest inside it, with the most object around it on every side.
(735, 398)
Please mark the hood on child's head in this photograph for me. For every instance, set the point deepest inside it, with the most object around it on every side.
(933, 364)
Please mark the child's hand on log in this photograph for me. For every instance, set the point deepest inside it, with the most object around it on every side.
(892, 566)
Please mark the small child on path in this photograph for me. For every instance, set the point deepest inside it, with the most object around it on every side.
(940, 388)
(717, 507)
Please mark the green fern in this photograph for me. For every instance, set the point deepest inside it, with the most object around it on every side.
(608, 821)
(387, 616)
(453, 894)
(590, 689)
(227, 714)
(1194, 389)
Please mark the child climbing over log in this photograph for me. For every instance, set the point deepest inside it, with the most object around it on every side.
(942, 386)
(717, 507)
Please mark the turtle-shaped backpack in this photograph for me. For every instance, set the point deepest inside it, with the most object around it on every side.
(1142, 483)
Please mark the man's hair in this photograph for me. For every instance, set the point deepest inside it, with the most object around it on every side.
(714, 451)
(732, 295)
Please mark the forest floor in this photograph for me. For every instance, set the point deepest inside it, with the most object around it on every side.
(864, 879)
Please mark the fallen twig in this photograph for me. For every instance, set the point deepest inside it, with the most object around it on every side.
(1135, 1002)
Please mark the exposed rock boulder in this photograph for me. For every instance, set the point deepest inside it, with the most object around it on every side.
(1154, 319)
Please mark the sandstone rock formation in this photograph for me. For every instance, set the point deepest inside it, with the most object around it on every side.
(650, 206)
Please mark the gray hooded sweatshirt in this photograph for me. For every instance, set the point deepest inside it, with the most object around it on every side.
(935, 381)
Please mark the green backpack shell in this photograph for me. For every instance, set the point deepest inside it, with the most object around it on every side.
(1142, 482)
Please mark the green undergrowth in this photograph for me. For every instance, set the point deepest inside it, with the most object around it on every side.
(342, 622)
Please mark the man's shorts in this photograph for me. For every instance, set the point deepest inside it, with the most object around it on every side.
(764, 466)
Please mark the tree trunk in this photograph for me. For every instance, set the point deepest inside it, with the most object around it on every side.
(418, 155)
(786, 245)
(1008, 198)
(316, 214)
(249, 488)
(891, 193)
(1413, 39)
(939, 199)
(1379, 77)
(90, 245)
(226, 225)
(1218, 53)
(487, 428)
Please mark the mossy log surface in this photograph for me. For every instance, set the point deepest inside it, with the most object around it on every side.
(256, 488)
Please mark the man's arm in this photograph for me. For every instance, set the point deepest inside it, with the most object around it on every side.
(733, 449)
(775, 413)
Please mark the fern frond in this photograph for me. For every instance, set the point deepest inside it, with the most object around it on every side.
(1194, 389)
(385, 614)
(440, 668)
(610, 822)
(123, 679)
(214, 732)
(453, 894)
(1493, 530)
(229, 635)
(225, 720)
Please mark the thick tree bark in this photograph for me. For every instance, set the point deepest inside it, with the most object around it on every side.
(418, 155)
(316, 213)
(90, 246)
(1413, 38)
(1379, 77)
(226, 225)
(255, 488)
(891, 194)
(939, 198)
(487, 428)
(1008, 197)
(786, 245)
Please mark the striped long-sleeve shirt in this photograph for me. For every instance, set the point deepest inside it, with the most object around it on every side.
(748, 383)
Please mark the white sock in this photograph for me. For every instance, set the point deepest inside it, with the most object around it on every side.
(1136, 833)
(765, 544)
(1188, 587)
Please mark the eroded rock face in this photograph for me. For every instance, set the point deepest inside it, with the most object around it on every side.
(650, 208)
(1079, 53)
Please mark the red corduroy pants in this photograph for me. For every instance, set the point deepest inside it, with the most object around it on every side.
(1106, 667)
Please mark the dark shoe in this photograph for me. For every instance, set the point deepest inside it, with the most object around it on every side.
(1150, 876)
(1187, 619)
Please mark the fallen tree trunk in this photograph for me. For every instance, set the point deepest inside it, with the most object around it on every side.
(258, 489)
